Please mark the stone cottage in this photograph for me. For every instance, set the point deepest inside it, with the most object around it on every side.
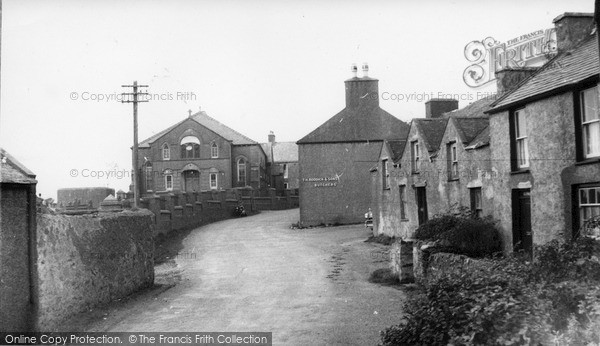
(546, 143)
(443, 164)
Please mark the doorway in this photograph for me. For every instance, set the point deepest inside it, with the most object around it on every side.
(422, 204)
(522, 235)
(191, 180)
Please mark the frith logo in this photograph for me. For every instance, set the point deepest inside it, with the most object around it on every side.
(488, 55)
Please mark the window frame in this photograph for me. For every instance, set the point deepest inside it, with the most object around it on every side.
(402, 193)
(517, 138)
(245, 175)
(582, 124)
(148, 177)
(385, 174)
(452, 160)
(415, 158)
(216, 180)
(581, 205)
(168, 179)
(214, 150)
(165, 149)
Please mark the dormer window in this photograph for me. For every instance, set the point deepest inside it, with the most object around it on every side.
(214, 150)
(190, 147)
(166, 152)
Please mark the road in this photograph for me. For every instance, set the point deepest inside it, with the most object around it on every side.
(307, 286)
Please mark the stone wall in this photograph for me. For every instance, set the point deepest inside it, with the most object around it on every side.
(89, 260)
(183, 210)
(401, 257)
(430, 265)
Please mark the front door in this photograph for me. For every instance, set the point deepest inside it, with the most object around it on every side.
(191, 180)
(422, 204)
(522, 236)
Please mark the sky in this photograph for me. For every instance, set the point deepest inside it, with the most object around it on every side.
(256, 66)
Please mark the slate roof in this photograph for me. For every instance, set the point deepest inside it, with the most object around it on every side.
(12, 171)
(396, 148)
(431, 130)
(210, 123)
(482, 139)
(560, 73)
(469, 128)
(358, 125)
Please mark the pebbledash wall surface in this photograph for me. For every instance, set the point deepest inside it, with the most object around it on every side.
(335, 158)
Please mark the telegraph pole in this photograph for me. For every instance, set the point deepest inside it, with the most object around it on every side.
(135, 99)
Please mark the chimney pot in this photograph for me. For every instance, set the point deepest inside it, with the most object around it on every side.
(271, 137)
(365, 68)
(354, 70)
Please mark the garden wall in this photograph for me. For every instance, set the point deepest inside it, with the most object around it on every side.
(430, 265)
(89, 260)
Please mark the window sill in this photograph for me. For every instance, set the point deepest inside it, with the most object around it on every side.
(453, 179)
(386, 189)
(415, 173)
(522, 171)
(589, 161)
(403, 220)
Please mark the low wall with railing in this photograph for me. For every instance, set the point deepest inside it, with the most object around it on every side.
(177, 210)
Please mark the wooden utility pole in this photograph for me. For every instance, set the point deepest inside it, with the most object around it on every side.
(597, 20)
(135, 99)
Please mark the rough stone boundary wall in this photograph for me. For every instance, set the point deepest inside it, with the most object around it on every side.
(89, 260)
(429, 265)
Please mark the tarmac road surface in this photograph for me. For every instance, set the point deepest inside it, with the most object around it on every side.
(256, 274)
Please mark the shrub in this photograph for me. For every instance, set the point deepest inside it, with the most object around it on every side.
(462, 233)
(381, 239)
(384, 276)
(553, 300)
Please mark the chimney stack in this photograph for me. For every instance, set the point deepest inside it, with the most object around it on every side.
(271, 137)
(572, 28)
(362, 92)
(434, 108)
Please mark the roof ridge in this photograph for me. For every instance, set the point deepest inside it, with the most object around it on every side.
(543, 68)
(220, 123)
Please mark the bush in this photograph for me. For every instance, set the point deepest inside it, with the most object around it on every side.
(517, 303)
(462, 233)
(384, 276)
